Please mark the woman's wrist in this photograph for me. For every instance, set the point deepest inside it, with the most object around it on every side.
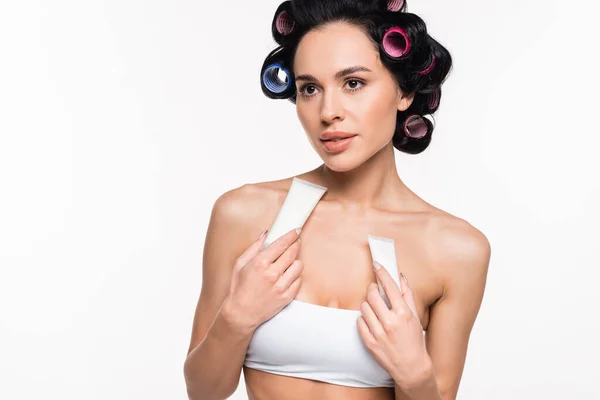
(233, 319)
(424, 376)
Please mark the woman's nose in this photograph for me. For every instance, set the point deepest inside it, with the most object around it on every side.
(332, 107)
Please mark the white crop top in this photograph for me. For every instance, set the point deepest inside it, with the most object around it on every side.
(321, 343)
(311, 341)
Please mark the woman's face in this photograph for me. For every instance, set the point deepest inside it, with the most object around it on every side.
(361, 102)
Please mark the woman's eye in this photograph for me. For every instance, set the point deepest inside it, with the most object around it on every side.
(353, 83)
(307, 89)
(304, 90)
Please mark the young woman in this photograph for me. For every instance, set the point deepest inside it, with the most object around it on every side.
(364, 77)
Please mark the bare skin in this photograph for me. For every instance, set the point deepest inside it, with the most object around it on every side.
(333, 245)
(444, 258)
(432, 248)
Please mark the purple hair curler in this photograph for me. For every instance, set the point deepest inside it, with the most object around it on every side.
(395, 42)
(285, 23)
(415, 127)
(395, 5)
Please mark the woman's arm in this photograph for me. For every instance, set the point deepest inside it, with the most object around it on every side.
(463, 253)
(217, 349)
(213, 368)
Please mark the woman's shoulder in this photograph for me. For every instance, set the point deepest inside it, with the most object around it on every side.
(456, 244)
(252, 195)
(445, 229)
(251, 204)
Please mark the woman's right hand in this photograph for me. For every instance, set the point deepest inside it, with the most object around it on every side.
(263, 282)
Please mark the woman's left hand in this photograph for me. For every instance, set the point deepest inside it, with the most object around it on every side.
(394, 336)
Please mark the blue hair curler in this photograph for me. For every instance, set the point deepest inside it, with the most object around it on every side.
(273, 82)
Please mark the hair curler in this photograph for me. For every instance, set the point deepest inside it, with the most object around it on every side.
(430, 67)
(395, 5)
(395, 42)
(415, 126)
(283, 24)
(272, 80)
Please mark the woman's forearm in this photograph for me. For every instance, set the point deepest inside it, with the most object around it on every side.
(212, 369)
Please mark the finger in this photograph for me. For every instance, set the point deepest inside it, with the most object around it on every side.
(365, 333)
(390, 287)
(253, 249)
(288, 256)
(370, 317)
(377, 304)
(275, 249)
(291, 274)
(294, 288)
(408, 296)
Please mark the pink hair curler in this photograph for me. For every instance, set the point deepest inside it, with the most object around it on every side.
(395, 42)
(415, 127)
(285, 23)
(434, 99)
(430, 68)
(395, 5)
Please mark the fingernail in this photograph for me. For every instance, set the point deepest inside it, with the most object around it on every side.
(298, 230)
(404, 276)
(376, 265)
(263, 234)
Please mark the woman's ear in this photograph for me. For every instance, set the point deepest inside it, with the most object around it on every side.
(404, 100)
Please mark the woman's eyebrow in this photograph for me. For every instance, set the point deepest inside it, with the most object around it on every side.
(338, 75)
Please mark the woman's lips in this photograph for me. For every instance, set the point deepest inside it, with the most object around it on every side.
(337, 146)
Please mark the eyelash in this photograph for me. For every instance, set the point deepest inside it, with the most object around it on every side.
(303, 94)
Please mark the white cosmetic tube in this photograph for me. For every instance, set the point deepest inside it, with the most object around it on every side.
(300, 201)
(383, 250)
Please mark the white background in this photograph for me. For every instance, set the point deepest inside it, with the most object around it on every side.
(122, 121)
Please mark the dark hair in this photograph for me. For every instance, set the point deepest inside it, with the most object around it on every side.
(418, 62)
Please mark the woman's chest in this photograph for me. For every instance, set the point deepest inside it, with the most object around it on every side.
(338, 263)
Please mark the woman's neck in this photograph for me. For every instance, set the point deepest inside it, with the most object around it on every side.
(373, 185)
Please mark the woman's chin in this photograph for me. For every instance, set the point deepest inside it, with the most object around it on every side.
(341, 163)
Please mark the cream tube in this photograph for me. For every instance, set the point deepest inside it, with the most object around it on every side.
(383, 251)
(300, 201)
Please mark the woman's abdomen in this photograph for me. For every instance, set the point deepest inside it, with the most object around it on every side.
(262, 385)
